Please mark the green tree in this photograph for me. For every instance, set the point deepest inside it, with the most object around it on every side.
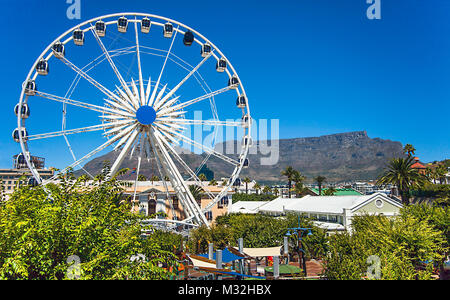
(409, 149)
(298, 180)
(441, 172)
(202, 177)
(267, 189)
(320, 180)
(39, 233)
(196, 191)
(213, 183)
(154, 178)
(257, 187)
(400, 174)
(289, 173)
(330, 191)
(246, 181)
(142, 178)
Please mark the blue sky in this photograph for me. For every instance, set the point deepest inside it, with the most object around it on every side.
(320, 66)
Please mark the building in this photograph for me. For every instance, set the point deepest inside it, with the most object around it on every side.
(339, 192)
(421, 168)
(153, 199)
(20, 174)
(333, 213)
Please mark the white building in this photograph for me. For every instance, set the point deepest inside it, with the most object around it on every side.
(333, 213)
(245, 207)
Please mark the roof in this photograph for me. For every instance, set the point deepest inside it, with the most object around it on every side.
(246, 207)
(339, 192)
(202, 264)
(333, 204)
(276, 205)
(326, 204)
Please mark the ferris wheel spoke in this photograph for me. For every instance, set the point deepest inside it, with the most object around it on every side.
(187, 168)
(175, 89)
(123, 153)
(152, 98)
(93, 107)
(138, 53)
(198, 145)
(193, 101)
(199, 122)
(87, 156)
(111, 62)
(181, 187)
(68, 132)
(83, 74)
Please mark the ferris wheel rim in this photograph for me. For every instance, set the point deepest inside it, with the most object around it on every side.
(24, 99)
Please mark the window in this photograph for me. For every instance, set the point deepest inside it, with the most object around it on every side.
(332, 219)
(379, 203)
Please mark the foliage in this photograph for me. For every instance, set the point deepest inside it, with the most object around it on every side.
(405, 245)
(320, 180)
(400, 174)
(252, 197)
(196, 191)
(257, 231)
(39, 232)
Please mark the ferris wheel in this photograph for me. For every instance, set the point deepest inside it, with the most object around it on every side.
(142, 100)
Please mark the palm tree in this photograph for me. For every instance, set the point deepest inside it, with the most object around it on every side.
(202, 177)
(213, 182)
(142, 178)
(267, 190)
(166, 178)
(440, 172)
(275, 191)
(400, 174)
(289, 173)
(320, 180)
(257, 187)
(246, 181)
(409, 149)
(331, 191)
(225, 182)
(196, 191)
(154, 178)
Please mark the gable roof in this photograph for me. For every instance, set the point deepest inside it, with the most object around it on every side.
(246, 207)
(277, 205)
(326, 204)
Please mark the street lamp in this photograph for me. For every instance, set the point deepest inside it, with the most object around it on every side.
(300, 232)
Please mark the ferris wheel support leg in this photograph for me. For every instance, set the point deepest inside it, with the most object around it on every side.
(179, 184)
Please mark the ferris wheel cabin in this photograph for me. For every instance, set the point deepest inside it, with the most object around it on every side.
(221, 65)
(24, 112)
(241, 102)
(233, 82)
(58, 50)
(188, 38)
(78, 37)
(16, 134)
(122, 24)
(145, 25)
(42, 67)
(168, 30)
(206, 50)
(245, 121)
(30, 88)
(100, 28)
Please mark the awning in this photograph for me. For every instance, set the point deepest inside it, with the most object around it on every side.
(262, 252)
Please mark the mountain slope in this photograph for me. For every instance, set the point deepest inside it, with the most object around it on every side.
(339, 157)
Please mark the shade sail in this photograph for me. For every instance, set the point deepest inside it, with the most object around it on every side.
(227, 256)
(263, 252)
(201, 264)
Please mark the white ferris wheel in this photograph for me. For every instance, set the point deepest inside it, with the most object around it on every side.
(141, 101)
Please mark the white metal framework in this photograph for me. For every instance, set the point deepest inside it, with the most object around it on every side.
(138, 118)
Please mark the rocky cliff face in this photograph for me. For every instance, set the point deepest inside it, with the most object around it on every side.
(339, 157)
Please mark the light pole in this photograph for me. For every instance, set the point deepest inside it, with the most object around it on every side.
(300, 232)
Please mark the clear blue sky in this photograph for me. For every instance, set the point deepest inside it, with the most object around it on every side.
(320, 66)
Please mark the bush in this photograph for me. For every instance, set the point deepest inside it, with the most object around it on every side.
(252, 197)
(38, 233)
